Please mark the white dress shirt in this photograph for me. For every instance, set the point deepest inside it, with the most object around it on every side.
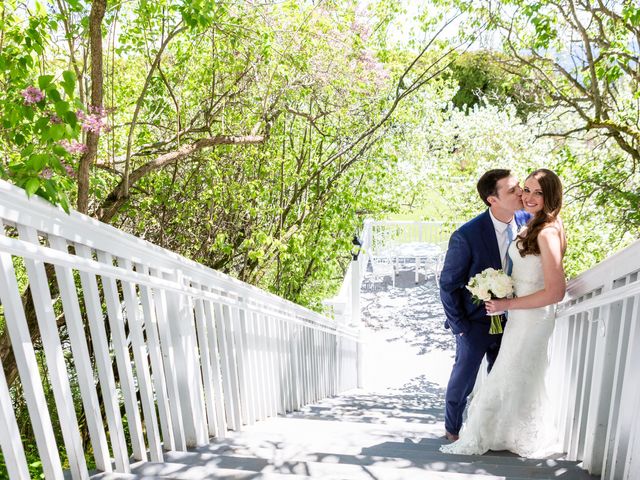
(501, 235)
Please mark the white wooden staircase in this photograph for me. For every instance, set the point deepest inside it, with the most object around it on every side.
(359, 436)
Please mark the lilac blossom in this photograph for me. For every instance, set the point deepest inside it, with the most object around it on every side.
(95, 121)
(73, 146)
(46, 173)
(55, 118)
(32, 95)
(69, 169)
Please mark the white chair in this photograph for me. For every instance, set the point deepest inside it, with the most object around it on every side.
(439, 263)
(381, 266)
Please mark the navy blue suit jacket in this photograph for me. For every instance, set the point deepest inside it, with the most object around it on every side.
(472, 249)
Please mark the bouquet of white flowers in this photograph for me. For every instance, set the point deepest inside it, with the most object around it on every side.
(488, 284)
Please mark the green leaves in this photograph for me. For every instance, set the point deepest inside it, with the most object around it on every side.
(69, 83)
(44, 81)
(631, 13)
(544, 23)
(32, 185)
(36, 110)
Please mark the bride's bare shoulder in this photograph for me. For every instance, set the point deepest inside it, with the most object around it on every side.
(555, 225)
(556, 228)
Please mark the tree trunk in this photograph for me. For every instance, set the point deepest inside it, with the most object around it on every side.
(98, 8)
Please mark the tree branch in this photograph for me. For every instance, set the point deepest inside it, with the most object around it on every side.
(119, 195)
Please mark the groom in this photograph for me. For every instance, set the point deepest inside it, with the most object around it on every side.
(478, 244)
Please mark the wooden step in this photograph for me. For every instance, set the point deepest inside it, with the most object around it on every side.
(402, 458)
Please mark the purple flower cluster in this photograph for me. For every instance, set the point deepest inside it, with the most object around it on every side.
(69, 169)
(95, 121)
(73, 146)
(32, 95)
(47, 173)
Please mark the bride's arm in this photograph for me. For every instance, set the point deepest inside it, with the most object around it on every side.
(551, 251)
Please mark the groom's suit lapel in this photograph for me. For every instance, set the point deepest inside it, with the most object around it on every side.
(490, 241)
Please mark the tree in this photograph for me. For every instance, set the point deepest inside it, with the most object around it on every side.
(481, 77)
(229, 132)
(582, 59)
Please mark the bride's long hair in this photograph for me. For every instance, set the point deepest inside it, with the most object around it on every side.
(552, 195)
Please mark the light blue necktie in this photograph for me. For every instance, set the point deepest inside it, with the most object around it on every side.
(508, 263)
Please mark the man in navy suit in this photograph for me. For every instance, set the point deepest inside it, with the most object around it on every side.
(477, 245)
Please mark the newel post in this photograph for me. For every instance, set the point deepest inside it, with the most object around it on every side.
(355, 280)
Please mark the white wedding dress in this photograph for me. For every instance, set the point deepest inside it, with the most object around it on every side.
(510, 410)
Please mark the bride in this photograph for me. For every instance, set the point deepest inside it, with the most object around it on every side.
(508, 412)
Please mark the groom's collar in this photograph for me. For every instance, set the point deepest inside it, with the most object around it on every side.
(501, 226)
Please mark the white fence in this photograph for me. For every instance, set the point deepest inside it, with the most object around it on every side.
(595, 357)
(380, 236)
(383, 233)
(173, 350)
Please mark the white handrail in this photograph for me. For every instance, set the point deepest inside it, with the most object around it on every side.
(595, 352)
(568, 308)
(168, 336)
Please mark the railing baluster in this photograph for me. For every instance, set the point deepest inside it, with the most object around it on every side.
(16, 324)
(280, 359)
(568, 387)
(59, 377)
(157, 367)
(289, 364)
(608, 464)
(306, 393)
(253, 346)
(205, 363)
(628, 387)
(580, 422)
(240, 334)
(213, 338)
(123, 360)
(187, 367)
(140, 357)
(226, 352)
(231, 318)
(577, 375)
(196, 386)
(77, 336)
(100, 344)
(10, 441)
(169, 364)
(250, 366)
(261, 365)
(270, 363)
(602, 384)
(296, 370)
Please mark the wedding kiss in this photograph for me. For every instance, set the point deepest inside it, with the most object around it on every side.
(522, 234)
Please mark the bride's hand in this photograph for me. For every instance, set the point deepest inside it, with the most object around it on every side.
(496, 305)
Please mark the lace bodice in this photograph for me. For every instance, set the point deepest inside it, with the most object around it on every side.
(527, 272)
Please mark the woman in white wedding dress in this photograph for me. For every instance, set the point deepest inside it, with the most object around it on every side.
(509, 410)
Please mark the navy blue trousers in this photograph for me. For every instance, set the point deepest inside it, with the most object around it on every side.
(470, 349)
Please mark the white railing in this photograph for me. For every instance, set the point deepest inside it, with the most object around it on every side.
(378, 236)
(595, 354)
(175, 350)
(383, 233)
